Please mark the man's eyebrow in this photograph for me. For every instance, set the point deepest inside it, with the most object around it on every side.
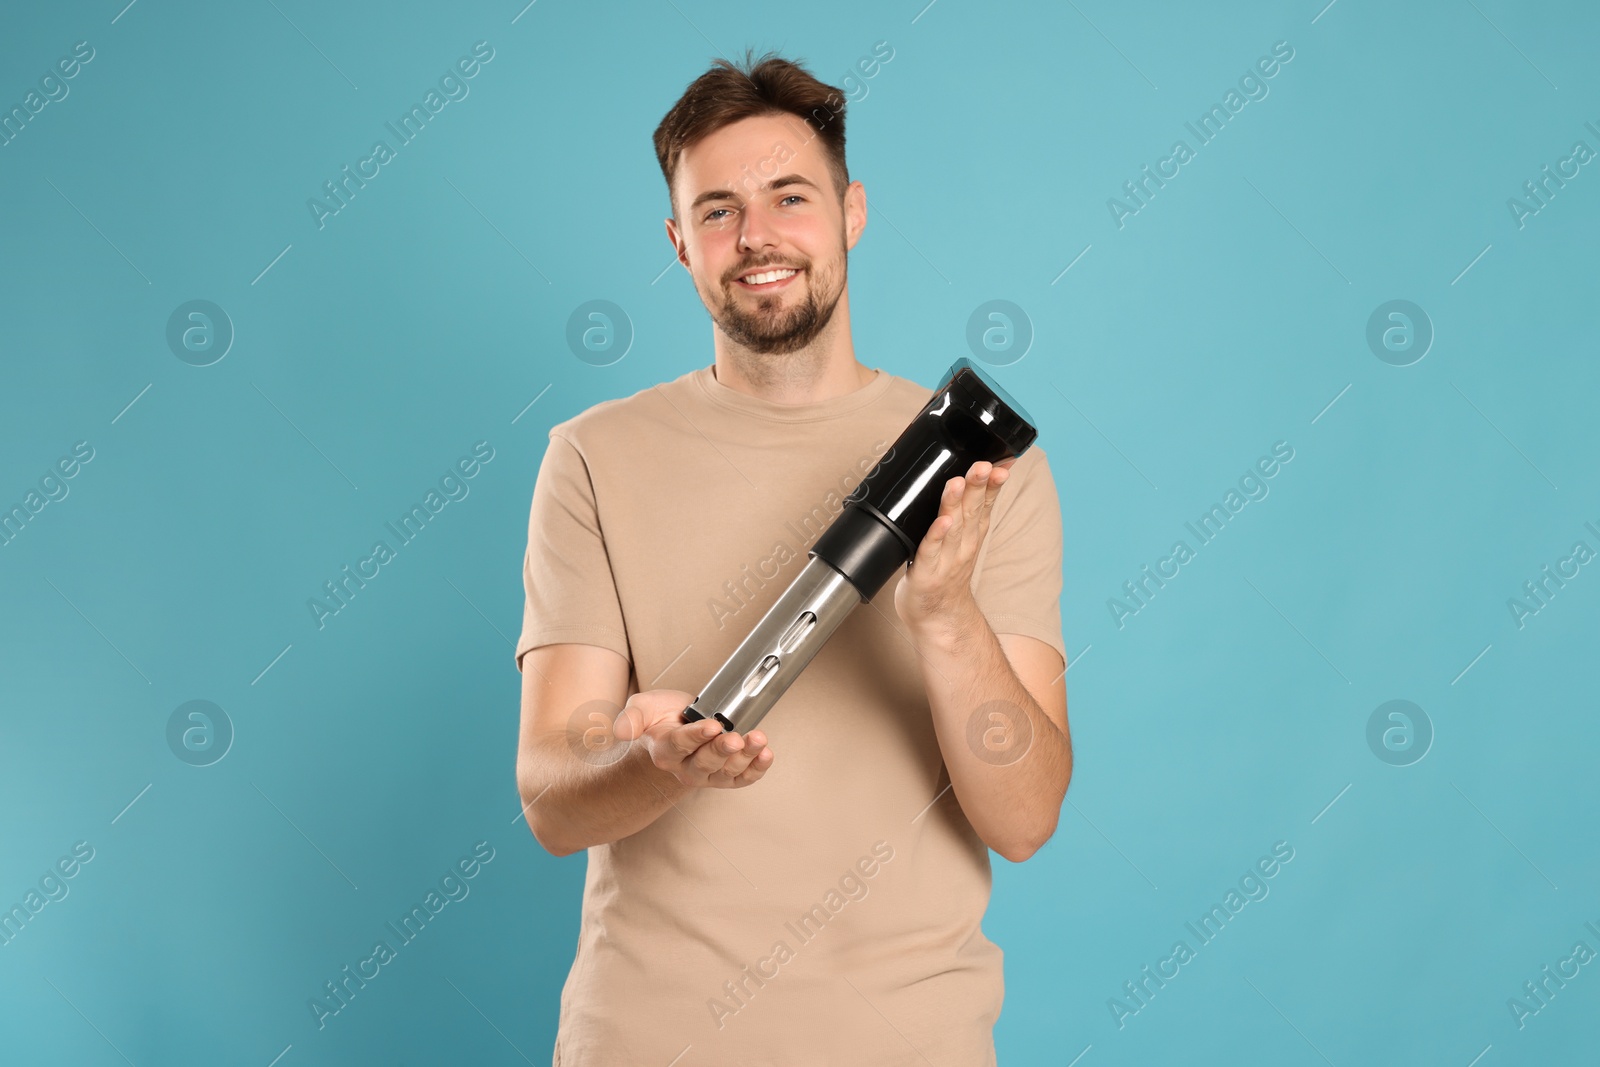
(776, 183)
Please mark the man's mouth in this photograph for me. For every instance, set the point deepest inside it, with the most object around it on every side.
(767, 280)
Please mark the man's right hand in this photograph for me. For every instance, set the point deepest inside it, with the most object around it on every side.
(699, 754)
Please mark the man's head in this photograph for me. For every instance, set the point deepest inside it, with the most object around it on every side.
(753, 156)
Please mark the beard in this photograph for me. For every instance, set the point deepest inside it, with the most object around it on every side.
(770, 328)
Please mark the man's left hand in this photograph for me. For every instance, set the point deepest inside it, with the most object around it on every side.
(934, 598)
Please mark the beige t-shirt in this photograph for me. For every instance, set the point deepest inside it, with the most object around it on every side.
(826, 914)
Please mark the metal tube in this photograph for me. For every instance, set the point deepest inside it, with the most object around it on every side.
(792, 631)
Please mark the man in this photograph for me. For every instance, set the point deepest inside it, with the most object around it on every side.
(821, 906)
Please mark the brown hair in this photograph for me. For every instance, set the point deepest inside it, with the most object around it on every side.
(728, 92)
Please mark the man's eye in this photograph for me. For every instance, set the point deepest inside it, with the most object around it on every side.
(792, 196)
(710, 215)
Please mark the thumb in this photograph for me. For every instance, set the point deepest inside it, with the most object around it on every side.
(646, 710)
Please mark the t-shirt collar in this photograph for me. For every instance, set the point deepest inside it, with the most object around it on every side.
(727, 397)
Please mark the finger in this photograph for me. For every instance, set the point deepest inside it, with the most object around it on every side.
(687, 739)
(997, 478)
(953, 503)
(976, 492)
(950, 496)
(710, 757)
(928, 551)
(743, 769)
(630, 722)
(736, 763)
(645, 710)
(965, 531)
(756, 769)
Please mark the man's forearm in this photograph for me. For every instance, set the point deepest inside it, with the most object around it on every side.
(1013, 803)
(571, 804)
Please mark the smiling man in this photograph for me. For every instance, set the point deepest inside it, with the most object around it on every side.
(817, 900)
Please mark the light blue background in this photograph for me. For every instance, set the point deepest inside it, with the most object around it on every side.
(428, 314)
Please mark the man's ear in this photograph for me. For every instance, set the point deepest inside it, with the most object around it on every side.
(855, 213)
(679, 248)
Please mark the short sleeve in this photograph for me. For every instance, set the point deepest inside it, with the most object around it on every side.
(570, 594)
(1018, 580)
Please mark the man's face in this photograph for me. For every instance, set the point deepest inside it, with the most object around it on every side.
(762, 231)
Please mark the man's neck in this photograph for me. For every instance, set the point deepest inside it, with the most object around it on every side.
(823, 370)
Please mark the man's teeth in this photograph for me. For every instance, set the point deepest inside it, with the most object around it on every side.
(769, 276)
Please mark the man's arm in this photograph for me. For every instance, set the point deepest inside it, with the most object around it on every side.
(589, 776)
(1000, 714)
(571, 796)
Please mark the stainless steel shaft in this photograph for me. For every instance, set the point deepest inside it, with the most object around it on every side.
(792, 631)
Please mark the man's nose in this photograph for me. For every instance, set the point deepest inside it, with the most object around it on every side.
(756, 230)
